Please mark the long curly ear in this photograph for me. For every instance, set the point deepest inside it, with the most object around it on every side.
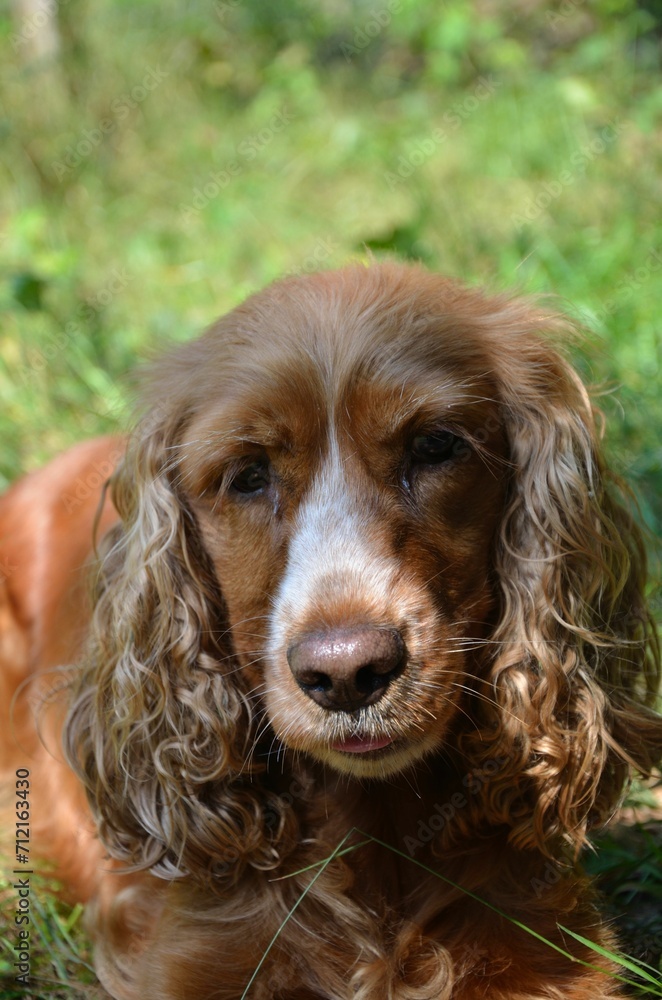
(160, 729)
(577, 665)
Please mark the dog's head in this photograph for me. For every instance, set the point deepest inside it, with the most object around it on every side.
(365, 521)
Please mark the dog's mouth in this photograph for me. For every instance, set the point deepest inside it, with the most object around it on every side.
(362, 744)
(370, 754)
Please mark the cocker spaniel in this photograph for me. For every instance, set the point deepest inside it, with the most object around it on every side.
(367, 655)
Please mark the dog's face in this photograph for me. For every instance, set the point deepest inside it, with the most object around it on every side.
(367, 512)
(346, 459)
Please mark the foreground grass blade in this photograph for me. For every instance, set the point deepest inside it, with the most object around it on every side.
(341, 850)
(627, 963)
(305, 892)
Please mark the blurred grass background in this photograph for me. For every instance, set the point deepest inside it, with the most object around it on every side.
(165, 159)
(160, 161)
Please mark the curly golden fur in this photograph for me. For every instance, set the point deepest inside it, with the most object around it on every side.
(370, 583)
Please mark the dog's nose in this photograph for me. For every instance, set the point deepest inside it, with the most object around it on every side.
(346, 669)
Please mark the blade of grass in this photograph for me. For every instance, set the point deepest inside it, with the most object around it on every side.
(305, 892)
(340, 851)
(73, 917)
(512, 920)
(55, 937)
(623, 960)
(324, 861)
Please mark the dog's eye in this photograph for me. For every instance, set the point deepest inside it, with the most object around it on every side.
(252, 478)
(432, 449)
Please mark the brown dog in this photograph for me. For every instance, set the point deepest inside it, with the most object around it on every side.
(369, 586)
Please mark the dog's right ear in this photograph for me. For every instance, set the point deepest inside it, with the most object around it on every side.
(160, 729)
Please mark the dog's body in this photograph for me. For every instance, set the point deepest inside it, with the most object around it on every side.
(366, 589)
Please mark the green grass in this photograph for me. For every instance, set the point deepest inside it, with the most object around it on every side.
(60, 954)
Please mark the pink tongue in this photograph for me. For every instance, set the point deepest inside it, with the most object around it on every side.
(361, 744)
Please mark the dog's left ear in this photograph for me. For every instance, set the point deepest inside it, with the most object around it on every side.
(577, 666)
